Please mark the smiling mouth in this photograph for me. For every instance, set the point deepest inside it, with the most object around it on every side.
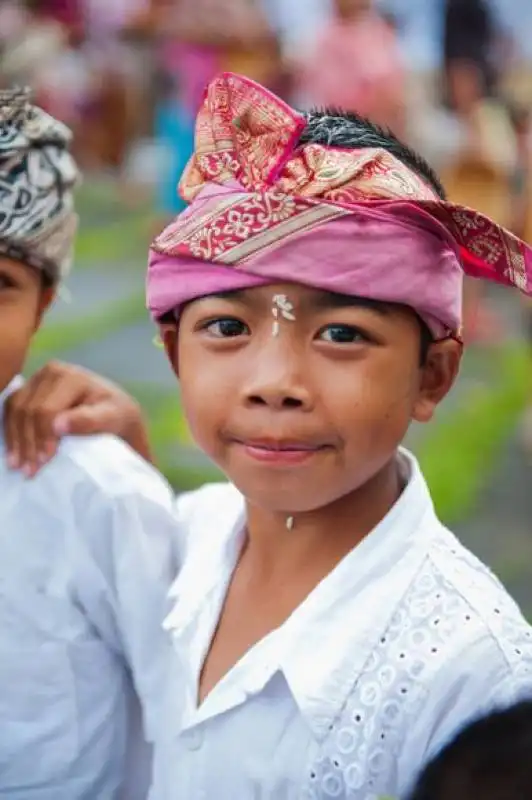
(271, 451)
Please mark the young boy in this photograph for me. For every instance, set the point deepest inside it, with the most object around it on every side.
(331, 633)
(490, 759)
(86, 548)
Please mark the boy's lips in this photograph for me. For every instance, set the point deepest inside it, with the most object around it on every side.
(280, 451)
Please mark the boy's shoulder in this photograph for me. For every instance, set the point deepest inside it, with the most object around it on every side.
(104, 465)
(471, 600)
(464, 572)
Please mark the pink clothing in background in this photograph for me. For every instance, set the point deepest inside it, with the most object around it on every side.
(67, 12)
(356, 66)
(108, 17)
(195, 66)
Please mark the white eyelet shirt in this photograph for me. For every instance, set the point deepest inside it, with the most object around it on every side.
(86, 561)
(407, 639)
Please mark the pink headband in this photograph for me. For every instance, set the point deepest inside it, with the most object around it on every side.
(264, 210)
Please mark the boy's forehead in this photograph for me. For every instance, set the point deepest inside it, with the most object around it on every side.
(21, 271)
(305, 297)
(14, 264)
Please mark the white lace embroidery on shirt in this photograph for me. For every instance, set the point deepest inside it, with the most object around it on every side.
(502, 617)
(358, 760)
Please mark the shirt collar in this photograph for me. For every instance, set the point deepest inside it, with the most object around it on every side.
(211, 555)
(333, 621)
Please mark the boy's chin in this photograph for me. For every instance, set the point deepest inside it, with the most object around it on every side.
(286, 500)
(305, 491)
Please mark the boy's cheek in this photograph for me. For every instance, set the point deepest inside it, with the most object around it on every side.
(13, 351)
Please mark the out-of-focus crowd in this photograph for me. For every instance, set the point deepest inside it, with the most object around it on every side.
(452, 77)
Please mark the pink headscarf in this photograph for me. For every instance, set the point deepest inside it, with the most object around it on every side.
(358, 222)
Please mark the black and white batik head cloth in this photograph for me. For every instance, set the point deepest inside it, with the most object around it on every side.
(38, 176)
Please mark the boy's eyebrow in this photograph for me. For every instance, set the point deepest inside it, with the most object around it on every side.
(231, 294)
(326, 300)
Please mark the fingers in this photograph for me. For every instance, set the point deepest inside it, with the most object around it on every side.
(63, 399)
(17, 428)
(86, 420)
(30, 414)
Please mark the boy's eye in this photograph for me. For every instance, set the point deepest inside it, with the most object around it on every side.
(6, 282)
(342, 334)
(226, 327)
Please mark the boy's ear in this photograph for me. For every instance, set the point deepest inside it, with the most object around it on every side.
(48, 294)
(438, 376)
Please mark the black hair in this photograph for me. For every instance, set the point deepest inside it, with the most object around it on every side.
(426, 339)
(470, 33)
(336, 128)
(489, 760)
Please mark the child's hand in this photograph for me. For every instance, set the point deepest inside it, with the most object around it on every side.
(63, 399)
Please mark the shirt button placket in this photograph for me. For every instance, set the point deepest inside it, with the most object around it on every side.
(194, 769)
(193, 739)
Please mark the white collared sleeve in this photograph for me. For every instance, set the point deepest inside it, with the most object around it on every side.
(125, 560)
(124, 563)
(87, 551)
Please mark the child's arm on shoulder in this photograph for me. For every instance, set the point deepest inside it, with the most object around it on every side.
(65, 399)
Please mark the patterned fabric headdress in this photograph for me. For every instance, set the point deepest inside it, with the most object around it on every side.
(37, 180)
(264, 209)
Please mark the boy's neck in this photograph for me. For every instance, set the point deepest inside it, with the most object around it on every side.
(322, 537)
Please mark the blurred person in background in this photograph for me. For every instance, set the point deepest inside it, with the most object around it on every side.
(356, 64)
(13, 18)
(68, 13)
(195, 39)
(34, 43)
(87, 547)
(485, 157)
(520, 116)
(522, 226)
(43, 48)
(63, 81)
(297, 25)
(118, 49)
(204, 37)
(174, 136)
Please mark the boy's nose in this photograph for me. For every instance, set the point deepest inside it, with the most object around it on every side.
(277, 381)
(275, 399)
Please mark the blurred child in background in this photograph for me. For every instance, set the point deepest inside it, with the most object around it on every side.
(174, 133)
(483, 165)
(356, 65)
